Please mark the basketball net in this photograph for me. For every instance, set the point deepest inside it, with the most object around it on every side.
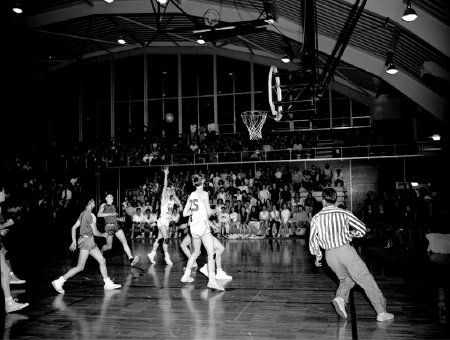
(254, 121)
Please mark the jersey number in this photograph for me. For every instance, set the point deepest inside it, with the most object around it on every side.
(194, 204)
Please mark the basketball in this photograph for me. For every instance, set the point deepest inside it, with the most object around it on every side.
(169, 117)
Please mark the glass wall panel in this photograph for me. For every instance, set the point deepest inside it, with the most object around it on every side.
(171, 128)
(128, 78)
(359, 109)
(104, 121)
(97, 82)
(189, 75)
(225, 77)
(155, 116)
(190, 112)
(137, 117)
(205, 72)
(225, 106)
(241, 74)
(260, 76)
(206, 110)
(122, 111)
(162, 76)
(242, 103)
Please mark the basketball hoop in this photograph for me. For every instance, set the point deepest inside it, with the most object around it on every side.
(274, 87)
(254, 121)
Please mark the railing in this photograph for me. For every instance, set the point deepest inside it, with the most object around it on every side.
(261, 156)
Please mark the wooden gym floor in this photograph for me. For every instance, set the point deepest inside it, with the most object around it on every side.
(276, 293)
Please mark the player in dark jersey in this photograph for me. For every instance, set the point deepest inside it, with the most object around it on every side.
(87, 246)
(109, 213)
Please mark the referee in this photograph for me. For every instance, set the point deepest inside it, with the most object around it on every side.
(333, 229)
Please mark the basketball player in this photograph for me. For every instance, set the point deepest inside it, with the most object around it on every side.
(198, 209)
(168, 200)
(10, 304)
(86, 243)
(109, 213)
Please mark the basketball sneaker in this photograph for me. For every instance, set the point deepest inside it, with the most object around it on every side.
(167, 259)
(11, 305)
(58, 285)
(384, 316)
(339, 306)
(187, 279)
(151, 256)
(109, 284)
(134, 260)
(221, 275)
(204, 270)
(14, 280)
(214, 285)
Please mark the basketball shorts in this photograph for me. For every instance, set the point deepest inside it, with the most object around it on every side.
(111, 229)
(200, 229)
(86, 243)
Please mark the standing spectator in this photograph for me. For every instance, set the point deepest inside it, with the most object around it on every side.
(193, 132)
(275, 221)
(338, 178)
(333, 229)
(285, 218)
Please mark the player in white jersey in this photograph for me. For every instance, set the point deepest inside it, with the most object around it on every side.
(168, 201)
(197, 207)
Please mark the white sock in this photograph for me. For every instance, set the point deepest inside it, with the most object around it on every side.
(62, 279)
(106, 279)
(9, 299)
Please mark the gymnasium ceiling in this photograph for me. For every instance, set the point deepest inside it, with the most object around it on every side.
(52, 34)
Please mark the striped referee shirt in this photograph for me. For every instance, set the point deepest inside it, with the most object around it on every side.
(333, 227)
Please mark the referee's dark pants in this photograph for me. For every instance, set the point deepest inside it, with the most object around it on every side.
(351, 269)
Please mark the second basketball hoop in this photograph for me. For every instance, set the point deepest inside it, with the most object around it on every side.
(254, 121)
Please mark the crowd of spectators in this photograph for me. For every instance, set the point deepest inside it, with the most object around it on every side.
(266, 202)
(401, 219)
(199, 145)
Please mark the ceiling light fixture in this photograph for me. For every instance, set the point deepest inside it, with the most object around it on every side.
(162, 2)
(121, 40)
(436, 137)
(285, 59)
(108, 1)
(391, 69)
(414, 184)
(409, 14)
(17, 9)
(201, 41)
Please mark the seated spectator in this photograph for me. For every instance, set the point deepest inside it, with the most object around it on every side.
(253, 222)
(274, 222)
(138, 223)
(264, 217)
(311, 202)
(234, 221)
(151, 219)
(224, 222)
(243, 217)
(264, 194)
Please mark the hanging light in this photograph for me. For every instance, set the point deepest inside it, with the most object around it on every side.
(200, 40)
(409, 14)
(17, 9)
(108, 1)
(121, 40)
(436, 137)
(391, 69)
(162, 2)
(285, 59)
